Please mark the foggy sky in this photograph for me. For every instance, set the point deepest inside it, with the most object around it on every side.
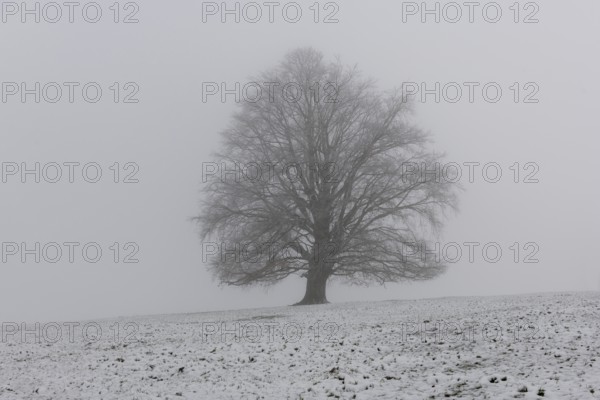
(171, 132)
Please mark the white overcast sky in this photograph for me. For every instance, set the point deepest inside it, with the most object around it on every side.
(171, 132)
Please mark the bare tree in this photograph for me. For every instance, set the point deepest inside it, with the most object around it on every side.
(313, 180)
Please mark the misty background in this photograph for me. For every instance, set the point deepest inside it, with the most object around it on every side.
(171, 132)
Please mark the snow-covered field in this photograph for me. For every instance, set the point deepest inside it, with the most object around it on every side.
(472, 347)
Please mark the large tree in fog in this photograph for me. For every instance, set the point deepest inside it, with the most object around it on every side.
(316, 177)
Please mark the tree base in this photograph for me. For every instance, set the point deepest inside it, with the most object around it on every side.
(308, 302)
(316, 289)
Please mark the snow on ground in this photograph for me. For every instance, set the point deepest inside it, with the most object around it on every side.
(529, 347)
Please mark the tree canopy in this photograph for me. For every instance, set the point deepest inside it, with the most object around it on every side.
(314, 180)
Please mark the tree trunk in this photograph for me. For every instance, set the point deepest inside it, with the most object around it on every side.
(316, 285)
